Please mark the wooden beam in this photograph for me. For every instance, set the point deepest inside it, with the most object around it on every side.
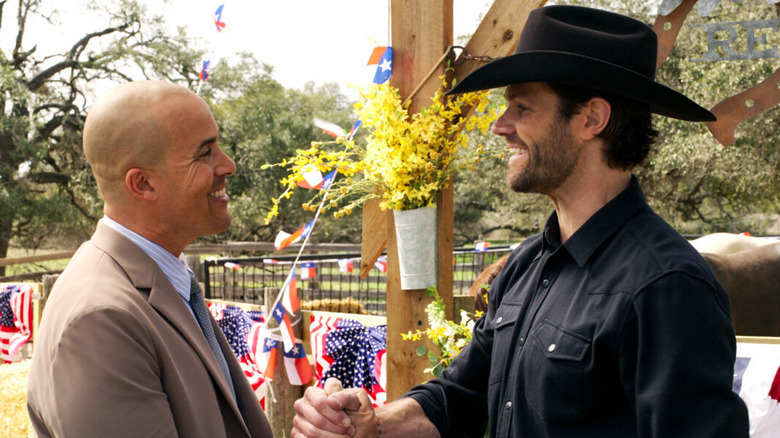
(497, 33)
(374, 235)
(421, 32)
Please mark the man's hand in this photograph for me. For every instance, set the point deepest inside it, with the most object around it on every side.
(334, 412)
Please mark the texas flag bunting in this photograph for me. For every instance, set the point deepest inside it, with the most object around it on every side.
(308, 271)
(290, 299)
(327, 181)
(329, 128)
(283, 240)
(218, 18)
(204, 69)
(299, 371)
(382, 57)
(312, 179)
(315, 180)
(354, 129)
(346, 265)
(288, 338)
(266, 361)
(481, 246)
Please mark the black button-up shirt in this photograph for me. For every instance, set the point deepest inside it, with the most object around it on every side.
(621, 331)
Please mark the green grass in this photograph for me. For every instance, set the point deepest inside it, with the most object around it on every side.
(26, 268)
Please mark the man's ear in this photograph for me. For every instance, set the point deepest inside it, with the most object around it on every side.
(596, 114)
(137, 182)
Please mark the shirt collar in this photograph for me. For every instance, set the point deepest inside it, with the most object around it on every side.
(175, 269)
(583, 243)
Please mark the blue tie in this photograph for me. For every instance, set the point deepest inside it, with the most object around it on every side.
(202, 315)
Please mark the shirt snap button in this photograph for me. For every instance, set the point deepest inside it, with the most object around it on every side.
(508, 405)
(498, 321)
(551, 348)
(545, 283)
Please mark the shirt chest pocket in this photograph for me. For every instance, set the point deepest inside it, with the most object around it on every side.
(504, 323)
(554, 371)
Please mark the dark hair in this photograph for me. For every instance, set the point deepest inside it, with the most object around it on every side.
(629, 133)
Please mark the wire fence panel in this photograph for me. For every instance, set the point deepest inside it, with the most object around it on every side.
(333, 283)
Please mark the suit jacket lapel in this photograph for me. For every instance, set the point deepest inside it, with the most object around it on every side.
(145, 274)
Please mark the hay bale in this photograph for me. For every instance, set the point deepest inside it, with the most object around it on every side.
(344, 305)
(15, 421)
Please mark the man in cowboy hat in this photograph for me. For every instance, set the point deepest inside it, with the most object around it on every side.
(607, 323)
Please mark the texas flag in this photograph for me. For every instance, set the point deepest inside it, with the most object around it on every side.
(354, 129)
(346, 265)
(382, 57)
(328, 180)
(299, 371)
(312, 179)
(329, 128)
(317, 181)
(283, 240)
(308, 271)
(288, 338)
(218, 19)
(481, 246)
(204, 69)
(266, 360)
(290, 299)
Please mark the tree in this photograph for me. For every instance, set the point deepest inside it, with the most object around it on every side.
(694, 181)
(264, 123)
(690, 179)
(46, 188)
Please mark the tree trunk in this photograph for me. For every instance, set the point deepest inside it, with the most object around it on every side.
(6, 223)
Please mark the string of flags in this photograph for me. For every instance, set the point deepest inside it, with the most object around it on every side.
(287, 302)
(313, 179)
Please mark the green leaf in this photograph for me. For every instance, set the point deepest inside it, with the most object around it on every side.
(421, 350)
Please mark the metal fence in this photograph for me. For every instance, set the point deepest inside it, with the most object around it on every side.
(333, 285)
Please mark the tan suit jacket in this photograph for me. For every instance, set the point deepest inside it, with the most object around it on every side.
(118, 354)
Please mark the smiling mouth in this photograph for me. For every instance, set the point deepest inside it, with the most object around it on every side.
(517, 151)
(219, 193)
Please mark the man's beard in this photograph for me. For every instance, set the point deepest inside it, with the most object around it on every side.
(550, 162)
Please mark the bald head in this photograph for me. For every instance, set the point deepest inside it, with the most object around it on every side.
(132, 125)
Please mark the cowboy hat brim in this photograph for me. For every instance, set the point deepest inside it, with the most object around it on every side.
(574, 69)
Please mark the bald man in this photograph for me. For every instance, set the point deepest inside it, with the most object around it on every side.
(120, 352)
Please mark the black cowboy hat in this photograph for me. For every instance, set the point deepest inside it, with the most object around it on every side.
(591, 48)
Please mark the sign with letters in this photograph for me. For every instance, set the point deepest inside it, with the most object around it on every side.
(724, 42)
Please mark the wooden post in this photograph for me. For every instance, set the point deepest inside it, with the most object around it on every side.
(421, 32)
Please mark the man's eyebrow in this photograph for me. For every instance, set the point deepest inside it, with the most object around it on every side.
(206, 143)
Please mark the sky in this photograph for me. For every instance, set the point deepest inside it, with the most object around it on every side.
(304, 40)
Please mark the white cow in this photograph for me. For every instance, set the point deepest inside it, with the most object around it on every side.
(728, 243)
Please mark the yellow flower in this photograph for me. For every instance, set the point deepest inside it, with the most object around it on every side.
(449, 336)
(406, 160)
